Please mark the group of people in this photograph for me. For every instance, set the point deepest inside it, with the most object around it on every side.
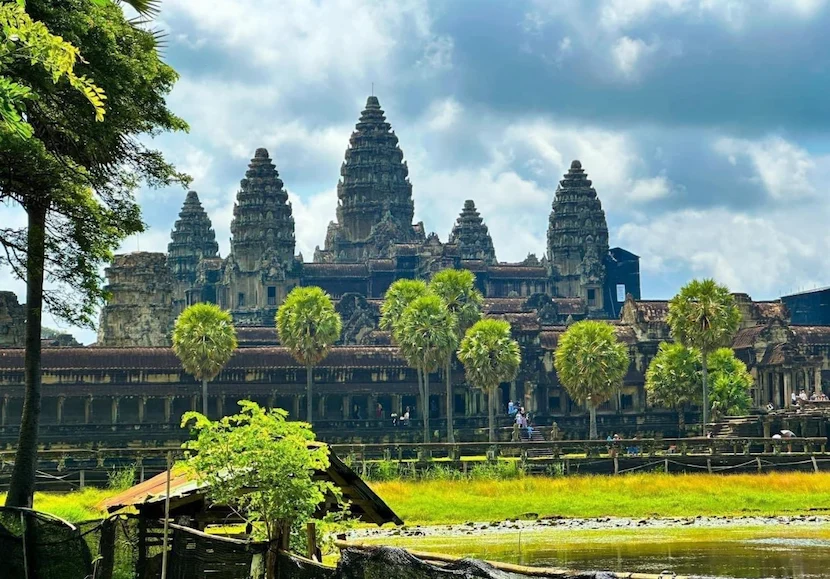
(613, 445)
(521, 419)
(402, 420)
(802, 397)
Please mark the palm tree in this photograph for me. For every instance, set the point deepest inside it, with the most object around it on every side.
(673, 378)
(308, 326)
(490, 356)
(425, 335)
(704, 316)
(731, 384)
(204, 340)
(458, 290)
(590, 362)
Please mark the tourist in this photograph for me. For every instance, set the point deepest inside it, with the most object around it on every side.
(511, 408)
(793, 398)
(770, 407)
(802, 396)
(405, 417)
(379, 411)
(394, 417)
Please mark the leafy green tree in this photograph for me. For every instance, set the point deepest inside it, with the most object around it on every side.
(458, 290)
(262, 466)
(22, 38)
(590, 363)
(673, 378)
(704, 316)
(425, 334)
(204, 339)
(308, 326)
(490, 356)
(75, 177)
(731, 384)
(400, 294)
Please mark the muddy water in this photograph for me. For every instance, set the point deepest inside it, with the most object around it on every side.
(754, 558)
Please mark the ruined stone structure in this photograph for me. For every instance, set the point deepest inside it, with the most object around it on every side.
(131, 387)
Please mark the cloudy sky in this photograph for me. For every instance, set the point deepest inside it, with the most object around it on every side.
(702, 123)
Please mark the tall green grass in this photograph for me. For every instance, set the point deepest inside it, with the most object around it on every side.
(73, 506)
(636, 495)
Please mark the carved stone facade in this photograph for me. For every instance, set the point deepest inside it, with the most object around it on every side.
(372, 243)
(12, 321)
(578, 240)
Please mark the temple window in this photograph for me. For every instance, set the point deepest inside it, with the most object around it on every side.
(240, 300)
(592, 297)
(272, 296)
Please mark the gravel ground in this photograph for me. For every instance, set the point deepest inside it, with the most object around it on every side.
(533, 524)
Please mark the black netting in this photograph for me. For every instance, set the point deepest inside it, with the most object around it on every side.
(387, 562)
(46, 547)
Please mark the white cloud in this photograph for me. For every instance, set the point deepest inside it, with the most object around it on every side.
(443, 114)
(628, 54)
(650, 189)
(785, 170)
(764, 256)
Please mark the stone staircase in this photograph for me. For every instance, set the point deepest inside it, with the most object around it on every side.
(737, 426)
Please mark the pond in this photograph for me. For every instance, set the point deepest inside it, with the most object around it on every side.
(773, 551)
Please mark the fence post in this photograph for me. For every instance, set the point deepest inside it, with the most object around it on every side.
(81, 480)
(758, 462)
(616, 465)
(311, 535)
(666, 465)
(107, 564)
(815, 464)
(709, 465)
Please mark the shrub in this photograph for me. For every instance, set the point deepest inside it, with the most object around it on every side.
(121, 478)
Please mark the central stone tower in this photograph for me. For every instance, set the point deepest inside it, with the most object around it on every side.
(578, 240)
(374, 196)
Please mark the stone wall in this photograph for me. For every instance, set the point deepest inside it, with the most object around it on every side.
(12, 321)
(139, 312)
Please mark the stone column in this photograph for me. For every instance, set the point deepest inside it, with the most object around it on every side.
(194, 403)
(563, 401)
(467, 407)
(788, 387)
(776, 389)
(60, 409)
(322, 401)
(396, 404)
(372, 405)
(114, 409)
(4, 411)
(142, 405)
(88, 410)
(513, 390)
(220, 406)
(295, 403)
(347, 407)
(817, 385)
(168, 408)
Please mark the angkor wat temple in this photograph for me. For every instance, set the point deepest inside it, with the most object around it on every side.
(130, 387)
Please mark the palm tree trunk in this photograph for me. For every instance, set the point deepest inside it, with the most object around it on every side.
(450, 409)
(22, 484)
(491, 411)
(204, 397)
(425, 397)
(703, 355)
(592, 413)
(309, 382)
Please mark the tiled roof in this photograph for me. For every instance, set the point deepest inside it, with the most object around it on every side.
(505, 305)
(517, 271)
(746, 337)
(313, 270)
(568, 306)
(773, 309)
(812, 334)
(164, 358)
(382, 265)
(523, 322)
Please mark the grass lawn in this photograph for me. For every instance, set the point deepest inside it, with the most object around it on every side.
(636, 495)
(74, 506)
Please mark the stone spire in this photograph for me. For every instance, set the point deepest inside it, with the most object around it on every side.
(263, 226)
(472, 236)
(578, 238)
(192, 239)
(375, 208)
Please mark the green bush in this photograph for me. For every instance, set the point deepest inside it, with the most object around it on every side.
(497, 470)
(119, 479)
